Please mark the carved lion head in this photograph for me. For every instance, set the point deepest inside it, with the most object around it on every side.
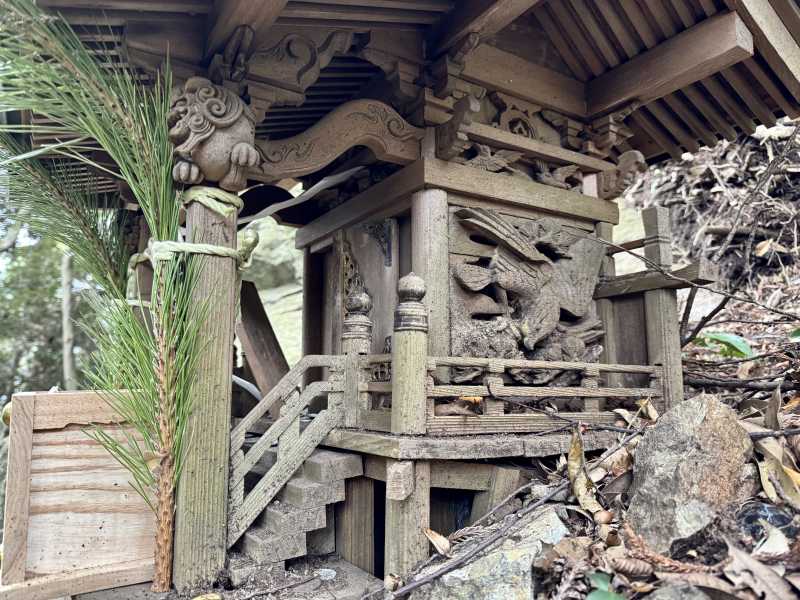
(198, 110)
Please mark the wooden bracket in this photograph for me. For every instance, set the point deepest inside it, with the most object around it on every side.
(451, 140)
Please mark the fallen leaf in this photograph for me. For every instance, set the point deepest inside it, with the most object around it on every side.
(439, 542)
(773, 408)
(471, 399)
(701, 580)
(744, 570)
(775, 542)
(766, 246)
(582, 486)
(647, 408)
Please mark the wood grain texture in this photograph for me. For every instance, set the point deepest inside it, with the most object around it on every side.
(355, 524)
(79, 581)
(15, 531)
(409, 353)
(202, 496)
(698, 273)
(260, 345)
(691, 56)
(523, 423)
(429, 259)
(504, 481)
(664, 344)
(405, 544)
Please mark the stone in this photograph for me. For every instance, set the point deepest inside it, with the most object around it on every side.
(140, 591)
(678, 592)
(504, 572)
(324, 466)
(688, 468)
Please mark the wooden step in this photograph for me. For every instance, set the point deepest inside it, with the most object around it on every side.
(302, 492)
(264, 546)
(325, 466)
(281, 517)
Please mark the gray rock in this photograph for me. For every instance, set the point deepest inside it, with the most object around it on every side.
(504, 573)
(690, 466)
(678, 592)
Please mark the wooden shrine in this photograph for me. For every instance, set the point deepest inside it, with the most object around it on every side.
(460, 163)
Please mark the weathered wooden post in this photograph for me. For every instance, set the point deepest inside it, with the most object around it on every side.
(223, 156)
(409, 357)
(408, 482)
(202, 499)
(661, 308)
(356, 340)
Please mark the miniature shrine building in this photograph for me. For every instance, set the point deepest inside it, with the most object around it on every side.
(459, 164)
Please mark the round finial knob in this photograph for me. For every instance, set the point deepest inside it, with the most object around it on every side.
(358, 303)
(411, 288)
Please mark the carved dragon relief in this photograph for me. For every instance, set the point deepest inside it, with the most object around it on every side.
(529, 297)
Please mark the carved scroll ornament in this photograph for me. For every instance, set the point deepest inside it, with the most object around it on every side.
(613, 183)
(213, 132)
(356, 123)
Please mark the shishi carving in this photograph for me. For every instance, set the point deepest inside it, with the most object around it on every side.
(213, 131)
(531, 299)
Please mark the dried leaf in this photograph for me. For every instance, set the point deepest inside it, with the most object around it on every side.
(766, 246)
(744, 570)
(471, 399)
(582, 486)
(773, 408)
(702, 580)
(632, 567)
(775, 543)
(439, 542)
(648, 409)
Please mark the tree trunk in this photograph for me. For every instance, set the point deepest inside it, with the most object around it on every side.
(70, 379)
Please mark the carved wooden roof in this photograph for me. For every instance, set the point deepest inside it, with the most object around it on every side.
(678, 73)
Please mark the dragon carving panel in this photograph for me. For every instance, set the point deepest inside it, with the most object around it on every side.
(522, 289)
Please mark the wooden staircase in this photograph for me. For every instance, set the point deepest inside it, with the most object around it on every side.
(276, 469)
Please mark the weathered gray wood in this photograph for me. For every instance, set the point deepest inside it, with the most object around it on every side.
(287, 465)
(355, 524)
(409, 358)
(516, 423)
(698, 273)
(504, 481)
(429, 259)
(15, 529)
(260, 345)
(692, 55)
(202, 496)
(405, 544)
(663, 343)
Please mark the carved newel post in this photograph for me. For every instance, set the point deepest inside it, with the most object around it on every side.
(356, 340)
(409, 357)
(213, 132)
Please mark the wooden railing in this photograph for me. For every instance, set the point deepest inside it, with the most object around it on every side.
(294, 445)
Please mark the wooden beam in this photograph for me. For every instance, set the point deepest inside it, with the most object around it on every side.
(772, 39)
(498, 138)
(405, 544)
(789, 12)
(505, 72)
(694, 54)
(698, 273)
(504, 481)
(260, 345)
(355, 524)
(484, 17)
(229, 14)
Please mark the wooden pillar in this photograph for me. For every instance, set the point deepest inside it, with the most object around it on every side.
(430, 259)
(355, 524)
(504, 481)
(408, 511)
(409, 358)
(202, 495)
(661, 309)
(356, 340)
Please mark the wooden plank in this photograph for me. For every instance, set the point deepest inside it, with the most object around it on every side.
(671, 124)
(383, 199)
(467, 361)
(789, 13)
(786, 104)
(710, 112)
(454, 391)
(259, 342)
(550, 445)
(563, 45)
(575, 37)
(17, 505)
(355, 524)
(664, 344)
(498, 138)
(522, 423)
(505, 72)
(686, 114)
(428, 447)
(660, 136)
(731, 105)
(447, 474)
(484, 17)
(405, 544)
(504, 481)
(772, 39)
(56, 410)
(745, 91)
(698, 273)
(692, 55)
(511, 190)
(79, 581)
(258, 14)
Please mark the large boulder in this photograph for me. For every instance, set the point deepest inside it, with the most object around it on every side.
(504, 572)
(690, 466)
